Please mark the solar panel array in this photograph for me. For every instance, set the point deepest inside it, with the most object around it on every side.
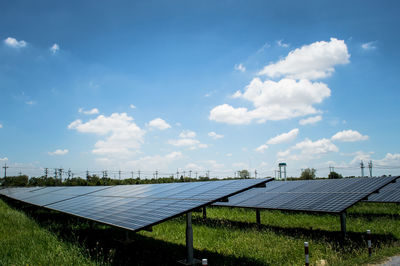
(328, 195)
(132, 207)
(389, 194)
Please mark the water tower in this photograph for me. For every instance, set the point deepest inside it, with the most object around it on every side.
(282, 165)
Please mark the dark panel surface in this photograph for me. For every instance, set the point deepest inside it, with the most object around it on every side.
(328, 195)
(132, 207)
(389, 193)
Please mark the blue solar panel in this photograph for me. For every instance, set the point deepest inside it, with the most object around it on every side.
(389, 193)
(133, 207)
(329, 195)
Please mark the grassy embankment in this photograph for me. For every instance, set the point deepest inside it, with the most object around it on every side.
(228, 236)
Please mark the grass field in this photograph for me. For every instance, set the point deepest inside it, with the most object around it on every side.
(35, 236)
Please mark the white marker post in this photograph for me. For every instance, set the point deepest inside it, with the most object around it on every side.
(369, 243)
(204, 262)
(306, 253)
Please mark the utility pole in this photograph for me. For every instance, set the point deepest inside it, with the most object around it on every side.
(208, 173)
(190, 174)
(196, 174)
(119, 174)
(331, 169)
(55, 173)
(370, 168)
(184, 174)
(46, 172)
(139, 174)
(61, 172)
(255, 173)
(132, 174)
(362, 168)
(69, 173)
(5, 170)
(87, 174)
(177, 174)
(156, 174)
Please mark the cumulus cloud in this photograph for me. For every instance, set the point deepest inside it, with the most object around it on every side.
(310, 120)
(240, 68)
(284, 137)
(187, 138)
(132, 106)
(369, 46)
(261, 148)
(215, 135)
(273, 101)
(12, 42)
(360, 156)
(3, 159)
(159, 124)
(123, 136)
(308, 149)
(54, 48)
(93, 111)
(349, 136)
(313, 61)
(390, 159)
(58, 152)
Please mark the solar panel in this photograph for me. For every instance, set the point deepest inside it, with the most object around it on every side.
(132, 207)
(328, 195)
(389, 193)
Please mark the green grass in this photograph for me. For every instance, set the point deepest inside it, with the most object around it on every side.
(24, 242)
(227, 237)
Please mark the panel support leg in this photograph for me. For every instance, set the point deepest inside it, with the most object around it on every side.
(189, 243)
(343, 223)
(204, 212)
(258, 219)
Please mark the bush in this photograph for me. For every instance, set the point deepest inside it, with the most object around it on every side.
(308, 173)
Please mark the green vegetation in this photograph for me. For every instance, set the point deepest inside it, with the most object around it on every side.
(334, 175)
(227, 237)
(307, 174)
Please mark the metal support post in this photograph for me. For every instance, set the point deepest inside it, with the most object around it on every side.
(343, 223)
(204, 212)
(189, 239)
(258, 219)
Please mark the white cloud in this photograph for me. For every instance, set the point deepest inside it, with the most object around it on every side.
(1, 126)
(194, 167)
(310, 120)
(265, 46)
(240, 165)
(215, 135)
(3, 159)
(369, 46)
(313, 61)
(389, 160)
(284, 137)
(159, 124)
(124, 137)
(58, 152)
(132, 106)
(349, 136)
(280, 43)
(308, 149)
(12, 42)
(93, 111)
(30, 102)
(360, 156)
(261, 148)
(183, 142)
(187, 138)
(55, 48)
(240, 68)
(273, 101)
(187, 134)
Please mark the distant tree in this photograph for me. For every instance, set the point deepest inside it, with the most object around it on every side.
(244, 174)
(16, 181)
(308, 173)
(334, 175)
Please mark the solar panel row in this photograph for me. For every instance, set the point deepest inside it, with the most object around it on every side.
(389, 194)
(132, 207)
(329, 195)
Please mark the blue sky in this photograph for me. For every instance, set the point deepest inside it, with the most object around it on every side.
(217, 85)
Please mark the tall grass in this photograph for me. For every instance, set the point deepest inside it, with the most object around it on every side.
(229, 236)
